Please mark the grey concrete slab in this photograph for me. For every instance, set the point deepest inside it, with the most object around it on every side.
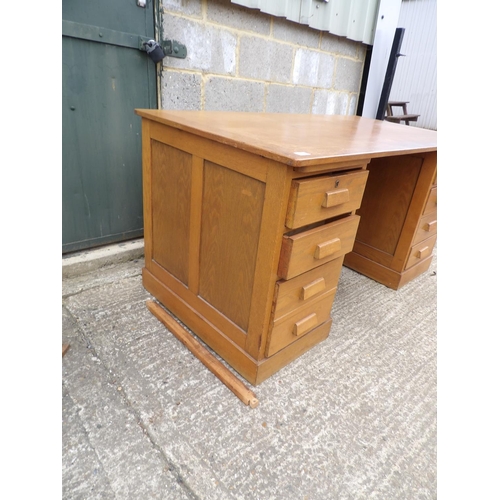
(180, 90)
(238, 17)
(288, 99)
(295, 33)
(328, 102)
(226, 94)
(263, 59)
(210, 47)
(313, 68)
(86, 261)
(354, 418)
(106, 451)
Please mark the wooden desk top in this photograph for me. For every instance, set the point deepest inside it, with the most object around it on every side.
(300, 139)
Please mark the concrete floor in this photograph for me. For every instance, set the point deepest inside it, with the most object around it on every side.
(353, 418)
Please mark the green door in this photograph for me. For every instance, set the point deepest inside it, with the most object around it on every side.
(104, 78)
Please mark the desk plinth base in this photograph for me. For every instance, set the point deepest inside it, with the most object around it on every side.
(252, 370)
(388, 277)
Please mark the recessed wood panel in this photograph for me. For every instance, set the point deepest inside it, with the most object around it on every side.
(231, 214)
(386, 200)
(171, 195)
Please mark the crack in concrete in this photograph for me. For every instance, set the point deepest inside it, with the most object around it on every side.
(112, 379)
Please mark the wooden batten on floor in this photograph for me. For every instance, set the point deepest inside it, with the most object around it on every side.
(201, 353)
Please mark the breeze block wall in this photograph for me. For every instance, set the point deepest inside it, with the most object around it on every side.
(240, 59)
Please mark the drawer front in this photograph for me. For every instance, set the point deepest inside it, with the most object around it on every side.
(431, 204)
(427, 227)
(320, 198)
(306, 287)
(299, 323)
(421, 251)
(315, 247)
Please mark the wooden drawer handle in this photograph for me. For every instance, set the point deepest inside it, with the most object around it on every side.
(423, 252)
(337, 197)
(431, 225)
(304, 325)
(312, 288)
(327, 248)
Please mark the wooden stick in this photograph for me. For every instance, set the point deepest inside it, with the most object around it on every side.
(65, 348)
(208, 359)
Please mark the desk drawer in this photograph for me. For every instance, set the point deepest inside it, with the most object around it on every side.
(299, 323)
(431, 204)
(306, 287)
(427, 227)
(421, 251)
(315, 247)
(321, 198)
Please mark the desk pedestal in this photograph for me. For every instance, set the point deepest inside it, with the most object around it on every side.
(398, 226)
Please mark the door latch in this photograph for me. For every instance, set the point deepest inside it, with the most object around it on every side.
(173, 48)
(159, 50)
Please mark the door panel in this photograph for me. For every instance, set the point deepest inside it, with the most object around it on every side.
(105, 76)
(119, 15)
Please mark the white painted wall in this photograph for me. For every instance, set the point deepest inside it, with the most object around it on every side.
(386, 24)
(416, 74)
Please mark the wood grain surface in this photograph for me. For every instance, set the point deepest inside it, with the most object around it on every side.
(300, 139)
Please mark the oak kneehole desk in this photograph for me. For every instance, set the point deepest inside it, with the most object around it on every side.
(248, 218)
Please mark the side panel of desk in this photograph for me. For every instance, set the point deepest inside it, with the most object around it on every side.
(213, 228)
(398, 225)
